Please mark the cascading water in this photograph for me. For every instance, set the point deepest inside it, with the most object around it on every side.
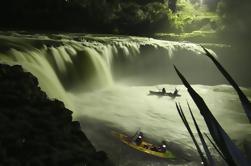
(57, 65)
(91, 61)
(105, 81)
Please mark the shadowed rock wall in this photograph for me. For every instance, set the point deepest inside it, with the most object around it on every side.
(36, 131)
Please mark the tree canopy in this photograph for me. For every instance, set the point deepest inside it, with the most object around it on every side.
(104, 16)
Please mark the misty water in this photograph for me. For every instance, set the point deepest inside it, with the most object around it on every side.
(105, 81)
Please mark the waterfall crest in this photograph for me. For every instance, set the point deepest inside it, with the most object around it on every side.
(64, 62)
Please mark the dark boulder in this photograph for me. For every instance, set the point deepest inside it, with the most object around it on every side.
(36, 131)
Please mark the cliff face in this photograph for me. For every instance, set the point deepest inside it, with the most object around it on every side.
(36, 131)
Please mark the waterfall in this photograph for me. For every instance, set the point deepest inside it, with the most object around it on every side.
(33, 62)
(71, 62)
(93, 74)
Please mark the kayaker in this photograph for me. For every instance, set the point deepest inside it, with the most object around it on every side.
(162, 147)
(139, 138)
(163, 90)
(175, 92)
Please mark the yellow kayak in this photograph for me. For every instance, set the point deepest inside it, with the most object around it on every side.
(144, 147)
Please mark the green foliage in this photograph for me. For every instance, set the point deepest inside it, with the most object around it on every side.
(235, 18)
(192, 17)
(104, 16)
(99, 16)
(131, 17)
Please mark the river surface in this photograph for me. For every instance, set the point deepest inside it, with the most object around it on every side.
(129, 108)
(106, 79)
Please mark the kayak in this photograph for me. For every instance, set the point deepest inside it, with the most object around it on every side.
(163, 94)
(144, 147)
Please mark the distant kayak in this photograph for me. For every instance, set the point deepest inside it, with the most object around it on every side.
(144, 147)
(170, 94)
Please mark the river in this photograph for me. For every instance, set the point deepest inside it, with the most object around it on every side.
(105, 81)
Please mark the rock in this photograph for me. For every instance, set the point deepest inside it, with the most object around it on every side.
(36, 131)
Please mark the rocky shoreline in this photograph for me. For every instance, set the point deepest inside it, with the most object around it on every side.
(37, 131)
